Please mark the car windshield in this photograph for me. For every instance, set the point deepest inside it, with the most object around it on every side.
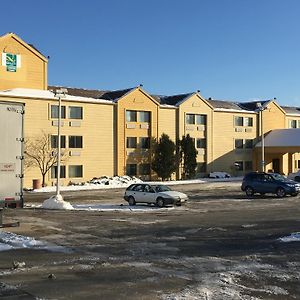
(161, 188)
(278, 177)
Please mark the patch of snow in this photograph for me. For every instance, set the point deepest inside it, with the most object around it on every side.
(105, 182)
(9, 241)
(294, 237)
(56, 202)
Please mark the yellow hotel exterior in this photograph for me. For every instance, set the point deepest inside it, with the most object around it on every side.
(109, 132)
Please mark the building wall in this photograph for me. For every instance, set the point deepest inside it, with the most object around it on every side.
(195, 105)
(273, 117)
(97, 154)
(137, 101)
(225, 133)
(167, 122)
(32, 72)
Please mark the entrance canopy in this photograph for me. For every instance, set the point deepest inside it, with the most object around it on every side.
(282, 138)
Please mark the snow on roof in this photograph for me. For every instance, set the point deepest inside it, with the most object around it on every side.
(282, 138)
(45, 94)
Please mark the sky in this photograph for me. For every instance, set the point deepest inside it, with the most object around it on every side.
(238, 50)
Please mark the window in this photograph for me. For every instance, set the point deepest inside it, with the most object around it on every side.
(238, 144)
(248, 121)
(201, 167)
(248, 144)
(131, 116)
(75, 112)
(144, 116)
(239, 165)
(238, 121)
(54, 112)
(201, 143)
(62, 172)
(54, 141)
(190, 119)
(248, 165)
(145, 142)
(131, 142)
(131, 169)
(75, 171)
(297, 164)
(293, 123)
(201, 119)
(144, 169)
(75, 141)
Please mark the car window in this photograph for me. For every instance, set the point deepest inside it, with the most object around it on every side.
(268, 178)
(162, 188)
(138, 188)
(148, 189)
(279, 177)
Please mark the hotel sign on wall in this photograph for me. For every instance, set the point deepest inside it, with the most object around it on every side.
(11, 61)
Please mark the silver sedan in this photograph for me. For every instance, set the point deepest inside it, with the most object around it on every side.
(158, 194)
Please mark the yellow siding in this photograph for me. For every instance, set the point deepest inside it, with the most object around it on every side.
(167, 122)
(137, 100)
(224, 134)
(273, 118)
(33, 71)
(97, 154)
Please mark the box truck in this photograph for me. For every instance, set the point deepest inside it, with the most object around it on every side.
(11, 154)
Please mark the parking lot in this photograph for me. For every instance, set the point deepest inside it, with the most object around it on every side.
(219, 245)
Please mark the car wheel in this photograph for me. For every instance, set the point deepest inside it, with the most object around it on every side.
(280, 192)
(160, 202)
(249, 191)
(131, 201)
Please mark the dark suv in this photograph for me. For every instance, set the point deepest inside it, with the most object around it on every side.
(260, 182)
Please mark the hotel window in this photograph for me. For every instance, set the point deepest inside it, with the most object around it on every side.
(238, 144)
(75, 141)
(131, 116)
(144, 169)
(238, 121)
(248, 165)
(62, 172)
(248, 121)
(201, 143)
(201, 119)
(131, 142)
(54, 141)
(293, 123)
(75, 112)
(131, 169)
(145, 142)
(144, 116)
(190, 119)
(248, 144)
(239, 165)
(54, 112)
(75, 171)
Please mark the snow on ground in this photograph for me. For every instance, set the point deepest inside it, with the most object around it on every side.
(9, 241)
(105, 182)
(294, 237)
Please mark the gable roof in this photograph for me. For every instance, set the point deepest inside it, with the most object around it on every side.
(96, 94)
(30, 47)
(291, 110)
(174, 100)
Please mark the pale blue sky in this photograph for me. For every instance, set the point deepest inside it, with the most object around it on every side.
(236, 50)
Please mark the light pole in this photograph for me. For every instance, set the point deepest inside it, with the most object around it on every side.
(61, 93)
(260, 109)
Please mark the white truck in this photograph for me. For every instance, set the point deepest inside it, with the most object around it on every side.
(11, 154)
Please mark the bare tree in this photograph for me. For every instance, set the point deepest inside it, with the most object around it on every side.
(39, 153)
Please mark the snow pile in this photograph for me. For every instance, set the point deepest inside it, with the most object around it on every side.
(56, 202)
(103, 182)
(294, 237)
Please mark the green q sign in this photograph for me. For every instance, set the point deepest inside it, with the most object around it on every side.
(11, 62)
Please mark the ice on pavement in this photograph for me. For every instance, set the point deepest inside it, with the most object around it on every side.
(294, 237)
(9, 241)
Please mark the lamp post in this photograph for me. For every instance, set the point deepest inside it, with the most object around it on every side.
(260, 109)
(60, 93)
